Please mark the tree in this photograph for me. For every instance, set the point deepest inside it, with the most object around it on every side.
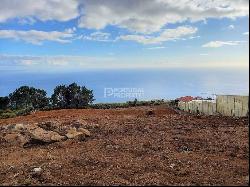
(4, 102)
(58, 98)
(25, 97)
(72, 96)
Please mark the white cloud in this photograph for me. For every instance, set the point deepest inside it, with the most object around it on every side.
(38, 37)
(204, 54)
(231, 27)
(216, 44)
(57, 61)
(143, 16)
(77, 63)
(158, 47)
(97, 36)
(246, 33)
(43, 10)
(147, 16)
(165, 35)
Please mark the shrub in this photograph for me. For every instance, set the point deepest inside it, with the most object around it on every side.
(7, 115)
(25, 97)
(4, 102)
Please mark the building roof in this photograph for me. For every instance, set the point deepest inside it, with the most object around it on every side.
(185, 98)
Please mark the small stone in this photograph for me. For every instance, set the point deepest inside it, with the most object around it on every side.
(150, 112)
(37, 170)
(172, 166)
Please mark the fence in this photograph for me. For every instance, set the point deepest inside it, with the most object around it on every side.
(232, 105)
(227, 105)
(205, 107)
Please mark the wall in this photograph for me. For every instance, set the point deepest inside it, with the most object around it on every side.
(232, 105)
(226, 105)
(198, 107)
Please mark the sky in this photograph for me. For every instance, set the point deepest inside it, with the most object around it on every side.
(71, 35)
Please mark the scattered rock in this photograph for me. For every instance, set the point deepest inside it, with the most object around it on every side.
(45, 136)
(49, 125)
(16, 139)
(19, 127)
(84, 131)
(42, 133)
(78, 123)
(74, 134)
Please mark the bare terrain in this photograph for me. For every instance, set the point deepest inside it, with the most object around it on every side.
(132, 146)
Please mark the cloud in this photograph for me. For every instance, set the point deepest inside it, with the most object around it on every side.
(231, 27)
(77, 63)
(43, 10)
(204, 54)
(148, 16)
(38, 37)
(97, 36)
(158, 47)
(216, 44)
(246, 33)
(57, 61)
(141, 16)
(165, 35)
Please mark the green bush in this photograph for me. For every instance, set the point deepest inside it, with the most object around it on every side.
(7, 115)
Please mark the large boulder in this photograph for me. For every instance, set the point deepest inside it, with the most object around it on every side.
(42, 135)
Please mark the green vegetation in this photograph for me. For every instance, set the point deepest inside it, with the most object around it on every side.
(72, 96)
(128, 104)
(26, 99)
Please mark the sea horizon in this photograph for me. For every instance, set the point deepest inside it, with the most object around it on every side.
(154, 83)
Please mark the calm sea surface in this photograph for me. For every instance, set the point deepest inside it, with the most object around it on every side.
(155, 84)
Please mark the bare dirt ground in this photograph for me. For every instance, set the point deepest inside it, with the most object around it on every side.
(131, 147)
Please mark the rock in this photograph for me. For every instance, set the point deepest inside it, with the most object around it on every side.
(74, 134)
(150, 112)
(45, 136)
(78, 123)
(95, 125)
(10, 127)
(37, 170)
(16, 139)
(49, 125)
(84, 131)
(19, 127)
(172, 165)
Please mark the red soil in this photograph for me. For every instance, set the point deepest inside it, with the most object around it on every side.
(133, 148)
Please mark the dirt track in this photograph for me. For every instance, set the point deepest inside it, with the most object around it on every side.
(132, 148)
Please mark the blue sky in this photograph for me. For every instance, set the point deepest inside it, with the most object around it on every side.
(72, 35)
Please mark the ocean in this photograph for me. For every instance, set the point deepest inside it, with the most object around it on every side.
(124, 85)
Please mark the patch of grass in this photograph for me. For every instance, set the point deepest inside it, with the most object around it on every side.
(13, 113)
(5, 115)
(128, 104)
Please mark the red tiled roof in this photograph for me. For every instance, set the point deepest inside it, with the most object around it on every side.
(185, 98)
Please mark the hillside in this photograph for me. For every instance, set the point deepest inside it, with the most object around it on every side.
(131, 146)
